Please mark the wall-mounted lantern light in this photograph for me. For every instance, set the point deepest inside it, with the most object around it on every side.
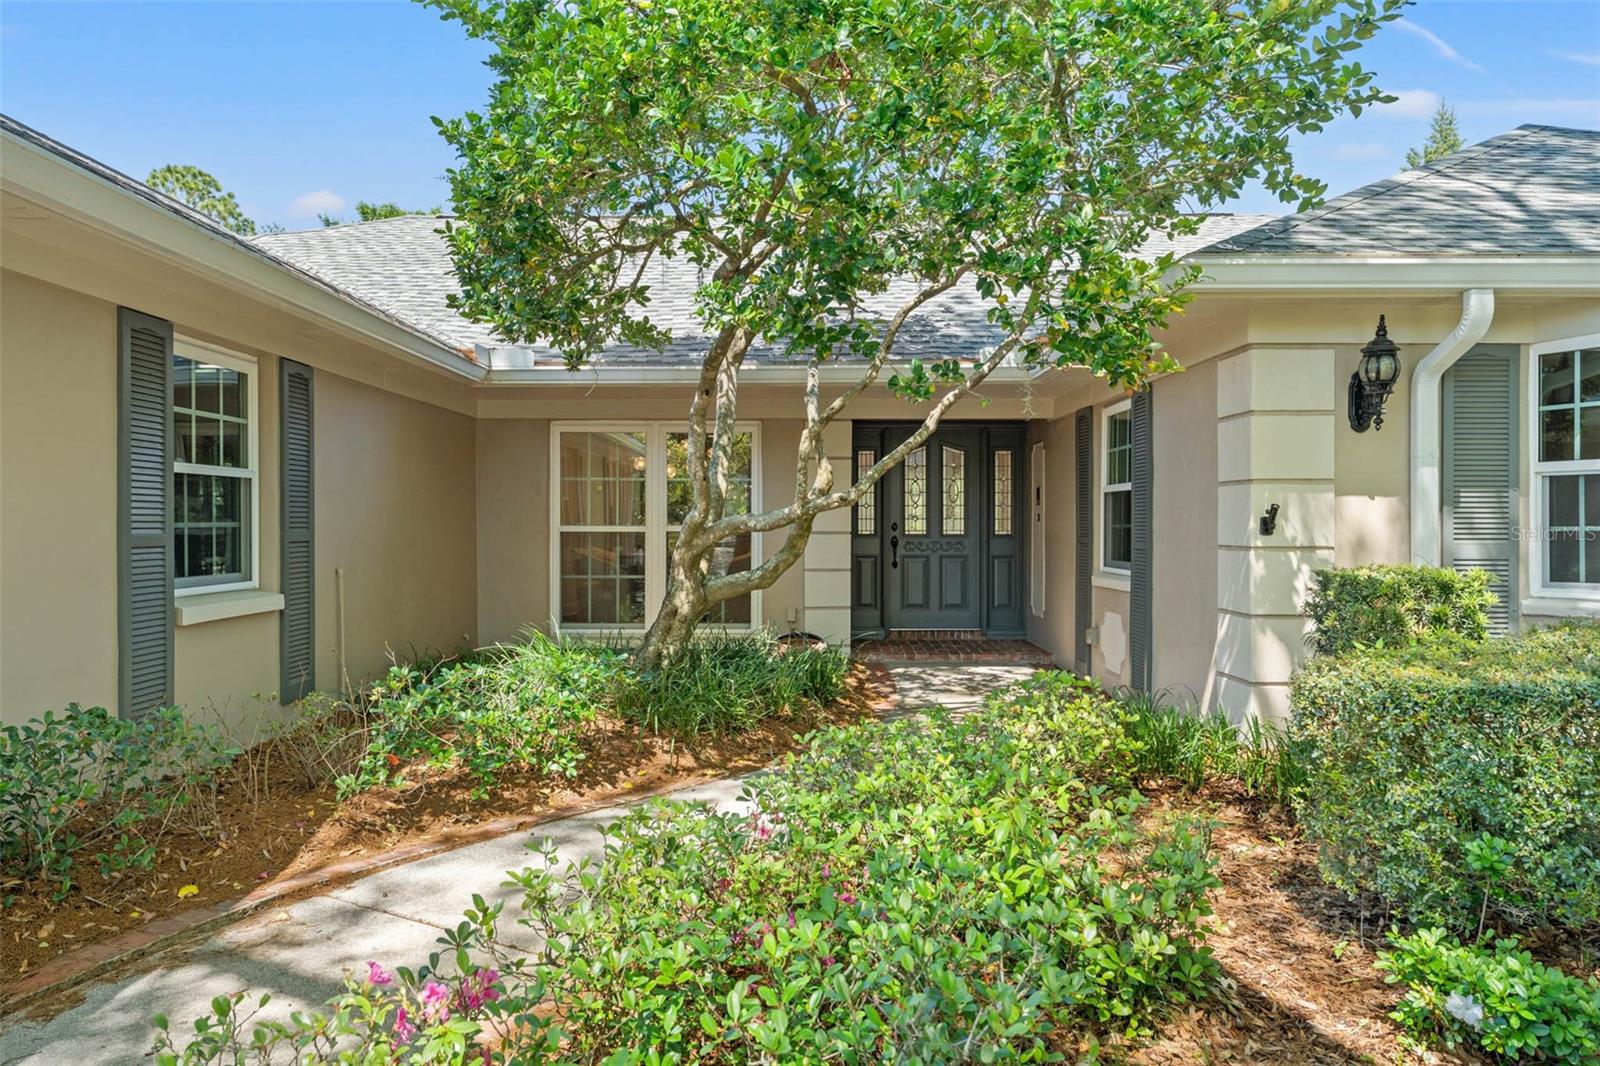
(1373, 380)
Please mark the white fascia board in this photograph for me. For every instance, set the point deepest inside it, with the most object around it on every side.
(1270, 273)
(40, 176)
(688, 375)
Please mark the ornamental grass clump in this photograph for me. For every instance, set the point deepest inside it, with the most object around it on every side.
(917, 891)
(1419, 759)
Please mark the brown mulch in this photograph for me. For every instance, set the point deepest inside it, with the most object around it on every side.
(1296, 955)
(295, 829)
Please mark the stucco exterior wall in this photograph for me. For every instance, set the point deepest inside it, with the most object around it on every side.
(58, 499)
(396, 513)
(513, 500)
(1183, 549)
(1052, 629)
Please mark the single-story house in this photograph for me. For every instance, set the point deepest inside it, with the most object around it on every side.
(233, 470)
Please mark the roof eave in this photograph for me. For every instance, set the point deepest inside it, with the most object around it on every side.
(1244, 272)
(35, 172)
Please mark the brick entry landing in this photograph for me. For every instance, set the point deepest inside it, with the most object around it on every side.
(927, 647)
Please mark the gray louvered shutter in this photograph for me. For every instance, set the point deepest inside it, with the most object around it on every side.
(1083, 549)
(1480, 472)
(1139, 629)
(144, 506)
(298, 642)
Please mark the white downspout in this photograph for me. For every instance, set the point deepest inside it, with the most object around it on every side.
(1477, 311)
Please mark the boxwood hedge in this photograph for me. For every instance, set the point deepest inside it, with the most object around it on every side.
(1416, 757)
(1396, 606)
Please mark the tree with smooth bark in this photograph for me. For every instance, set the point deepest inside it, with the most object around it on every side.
(805, 154)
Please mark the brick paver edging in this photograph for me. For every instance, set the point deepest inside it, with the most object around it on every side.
(74, 967)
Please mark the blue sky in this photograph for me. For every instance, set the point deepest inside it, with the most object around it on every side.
(307, 107)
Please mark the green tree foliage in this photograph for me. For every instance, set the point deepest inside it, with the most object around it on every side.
(807, 152)
(1443, 138)
(367, 211)
(204, 193)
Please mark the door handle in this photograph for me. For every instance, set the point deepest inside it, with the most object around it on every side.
(894, 553)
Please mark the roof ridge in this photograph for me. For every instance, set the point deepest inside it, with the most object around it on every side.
(409, 216)
(1288, 223)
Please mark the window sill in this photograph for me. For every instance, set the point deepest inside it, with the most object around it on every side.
(216, 606)
(1558, 606)
(1111, 579)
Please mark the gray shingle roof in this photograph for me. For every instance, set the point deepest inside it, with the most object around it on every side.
(402, 265)
(1532, 191)
(205, 222)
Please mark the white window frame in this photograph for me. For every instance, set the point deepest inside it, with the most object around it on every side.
(1536, 564)
(656, 526)
(1115, 575)
(251, 369)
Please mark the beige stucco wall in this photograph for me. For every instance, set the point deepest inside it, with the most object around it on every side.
(1183, 547)
(395, 510)
(58, 499)
(396, 513)
(1053, 629)
(513, 500)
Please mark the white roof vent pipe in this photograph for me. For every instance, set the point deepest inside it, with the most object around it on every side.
(1477, 312)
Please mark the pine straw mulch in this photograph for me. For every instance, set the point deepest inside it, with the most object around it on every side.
(1296, 955)
(293, 828)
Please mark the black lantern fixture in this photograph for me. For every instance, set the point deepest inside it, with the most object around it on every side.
(1373, 380)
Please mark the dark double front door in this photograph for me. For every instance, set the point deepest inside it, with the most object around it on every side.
(939, 544)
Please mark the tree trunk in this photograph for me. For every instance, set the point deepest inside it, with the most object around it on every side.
(680, 611)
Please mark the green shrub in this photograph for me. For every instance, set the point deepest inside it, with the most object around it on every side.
(1192, 748)
(89, 783)
(518, 706)
(726, 684)
(914, 892)
(1497, 1000)
(1396, 606)
(1413, 756)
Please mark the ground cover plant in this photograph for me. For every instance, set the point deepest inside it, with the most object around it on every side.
(106, 824)
(1176, 741)
(922, 890)
(1494, 998)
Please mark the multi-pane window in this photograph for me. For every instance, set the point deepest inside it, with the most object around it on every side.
(732, 555)
(953, 497)
(915, 479)
(213, 470)
(1567, 400)
(867, 506)
(1117, 489)
(623, 494)
(602, 528)
(1003, 492)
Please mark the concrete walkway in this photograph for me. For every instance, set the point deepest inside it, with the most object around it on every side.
(300, 951)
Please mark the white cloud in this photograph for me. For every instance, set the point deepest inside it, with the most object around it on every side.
(1588, 59)
(1361, 150)
(1439, 44)
(1409, 103)
(320, 202)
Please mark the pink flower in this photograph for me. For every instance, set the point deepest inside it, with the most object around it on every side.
(827, 960)
(847, 897)
(403, 1029)
(478, 989)
(377, 975)
(435, 1002)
